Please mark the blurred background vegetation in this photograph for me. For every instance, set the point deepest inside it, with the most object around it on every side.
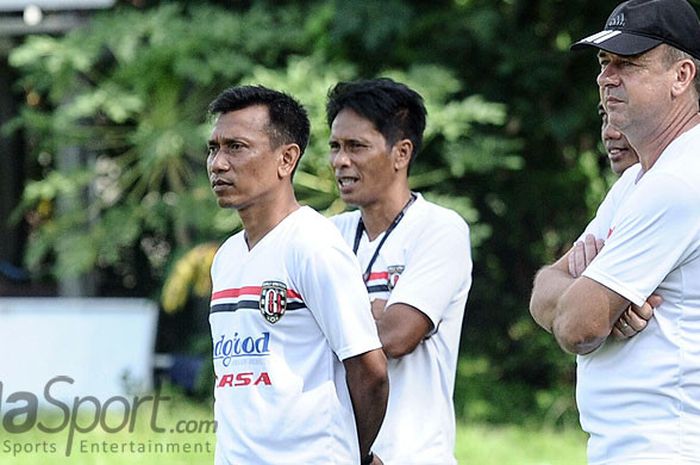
(114, 119)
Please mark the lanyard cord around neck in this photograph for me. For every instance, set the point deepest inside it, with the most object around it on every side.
(361, 227)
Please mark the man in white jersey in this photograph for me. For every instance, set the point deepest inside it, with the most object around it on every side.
(624, 162)
(300, 374)
(639, 399)
(416, 261)
(621, 156)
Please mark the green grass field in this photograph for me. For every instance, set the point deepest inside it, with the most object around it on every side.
(511, 445)
(476, 444)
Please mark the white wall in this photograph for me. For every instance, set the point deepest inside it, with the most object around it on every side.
(95, 341)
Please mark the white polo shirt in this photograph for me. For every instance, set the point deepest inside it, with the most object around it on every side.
(426, 263)
(639, 399)
(283, 317)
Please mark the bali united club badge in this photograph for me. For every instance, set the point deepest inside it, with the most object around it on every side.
(393, 275)
(273, 300)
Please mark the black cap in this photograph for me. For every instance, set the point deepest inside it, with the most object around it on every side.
(636, 26)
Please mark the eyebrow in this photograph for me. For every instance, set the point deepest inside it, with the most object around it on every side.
(225, 140)
(348, 139)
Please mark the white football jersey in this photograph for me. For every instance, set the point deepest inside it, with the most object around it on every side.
(639, 399)
(283, 317)
(426, 263)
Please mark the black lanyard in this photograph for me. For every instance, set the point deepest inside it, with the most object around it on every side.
(361, 227)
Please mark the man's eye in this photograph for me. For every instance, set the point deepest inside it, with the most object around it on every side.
(233, 146)
(211, 150)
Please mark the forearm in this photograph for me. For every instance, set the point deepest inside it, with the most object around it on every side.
(550, 284)
(578, 311)
(577, 328)
(401, 327)
(368, 384)
(585, 315)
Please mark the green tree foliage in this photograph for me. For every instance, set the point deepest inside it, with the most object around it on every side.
(130, 93)
(511, 144)
(514, 52)
(117, 113)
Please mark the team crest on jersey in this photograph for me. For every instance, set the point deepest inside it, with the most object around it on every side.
(393, 273)
(273, 300)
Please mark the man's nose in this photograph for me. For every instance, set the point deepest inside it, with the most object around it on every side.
(610, 132)
(607, 76)
(218, 161)
(339, 158)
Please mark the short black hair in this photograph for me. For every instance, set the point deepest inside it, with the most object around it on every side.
(396, 110)
(288, 120)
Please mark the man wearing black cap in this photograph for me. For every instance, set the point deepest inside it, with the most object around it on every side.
(639, 399)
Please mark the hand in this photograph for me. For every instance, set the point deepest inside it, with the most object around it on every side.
(378, 306)
(635, 319)
(377, 460)
(583, 253)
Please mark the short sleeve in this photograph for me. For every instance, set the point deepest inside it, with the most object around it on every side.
(330, 282)
(653, 233)
(437, 270)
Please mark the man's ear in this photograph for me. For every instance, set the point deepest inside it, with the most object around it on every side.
(685, 77)
(289, 157)
(403, 151)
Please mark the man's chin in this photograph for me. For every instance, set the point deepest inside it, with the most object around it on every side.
(351, 200)
(620, 167)
(227, 203)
